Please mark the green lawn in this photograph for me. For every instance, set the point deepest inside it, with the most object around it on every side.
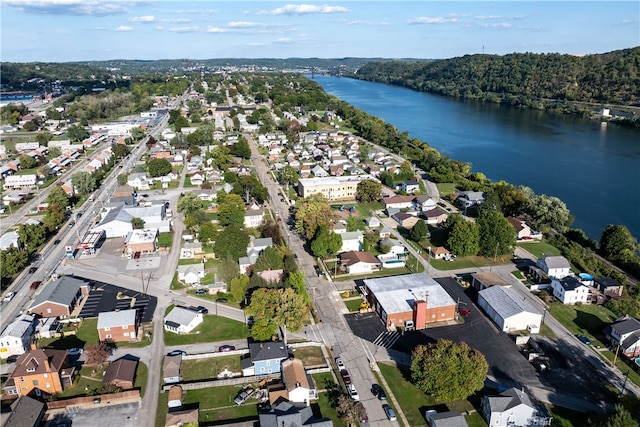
(323, 408)
(310, 355)
(86, 335)
(467, 262)
(89, 382)
(161, 410)
(202, 369)
(212, 329)
(561, 416)
(446, 188)
(165, 240)
(539, 249)
(220, 399)
(475, 420)
(323, 380)
(585, 319)
(353, 304)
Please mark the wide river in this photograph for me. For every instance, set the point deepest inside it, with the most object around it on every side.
(594, 168)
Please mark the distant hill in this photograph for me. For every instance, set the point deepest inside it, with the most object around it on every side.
(520, 78)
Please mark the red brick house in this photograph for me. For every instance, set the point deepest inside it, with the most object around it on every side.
(118, 326)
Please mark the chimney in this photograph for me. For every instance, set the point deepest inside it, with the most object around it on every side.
(45, 362)
(33, 346)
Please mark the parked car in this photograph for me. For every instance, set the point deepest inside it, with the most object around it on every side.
(202, 309)
(464, 311)
(345, 376)
(12, 358)
(244, 394)
(585, 339)
(225, 348)
(8, 297)
(388, 410)
(201, 291)
(34, 285)
(340, 363)
(177, 353)
(136, 255)
(33, 270)
(76, 351)
(353, 392)
(222, 300)
(57, 241)
(378, 392)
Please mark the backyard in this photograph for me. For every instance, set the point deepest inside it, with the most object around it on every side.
(89, 381)
(203, 369)
(212, 329)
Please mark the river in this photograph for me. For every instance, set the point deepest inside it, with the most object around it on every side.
(594, 168)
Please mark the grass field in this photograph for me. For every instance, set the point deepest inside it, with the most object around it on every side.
(310, 355)
(216, 404)
(165, 240)
(353, 304)
(86, 335)
(202, 369)
(586, 319)
(539, 249)
(212, 329)
(445, 188)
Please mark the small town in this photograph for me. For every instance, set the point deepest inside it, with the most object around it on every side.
(193, 264)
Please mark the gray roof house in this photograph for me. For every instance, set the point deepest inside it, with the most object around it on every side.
(182, 320)
(625, 332)
(25, 412)
(264, 358)
(287, 414)
(447, 419)
(514, 408)
(507, 309)
(171, 369)
(59, 298)
(16, 337)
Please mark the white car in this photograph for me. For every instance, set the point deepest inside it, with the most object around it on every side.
(8, 297)
(340, 364)
(353, 392)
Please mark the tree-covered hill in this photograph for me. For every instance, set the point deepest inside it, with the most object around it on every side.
(520, 78)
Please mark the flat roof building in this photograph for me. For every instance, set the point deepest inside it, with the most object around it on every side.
(334, 188)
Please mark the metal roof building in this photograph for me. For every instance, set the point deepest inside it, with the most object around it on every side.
(508, 310)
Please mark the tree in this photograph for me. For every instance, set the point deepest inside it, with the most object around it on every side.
(238, 287)
(497, 236)
(12, 261)
(368, 191)
(27, 162)
(419, 231)
(550, 212)
(120, 150)
(137, 133)
(295, 280)
(350, 411)
(98, 353)
(621, 418)
(312, 213)
(617, 243)
(54, 216)
(32, 236)
(137, 223)
(53, 152)
(43, 137)
(282, 308)
(447, 370)
(158, 167)
(180, 122)
(228, 269)
(122, 179)
(250, 187)
(189, 203)
(231, 242)
(464, 238)
(289, 175)
(241, 148)
(231, 211)
(83, 182)
(77, 133)
(57, 196)
(326, 244)
(269, 259)
(272, 229)
(207, 232)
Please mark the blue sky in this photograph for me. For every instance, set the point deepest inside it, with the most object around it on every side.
(76, 30)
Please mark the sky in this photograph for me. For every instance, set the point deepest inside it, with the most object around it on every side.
(82, 30)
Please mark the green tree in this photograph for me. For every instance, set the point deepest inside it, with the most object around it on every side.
(272, 229)
(617, 243)
(288, 175)
(228, 269)
(241, 148)
(231, 211)
(447, 370)
(207, 232)
(368, 191)
(269, 259)
(54, 216)
(77, 133)
(549, 212)
(137, 223)
(57, 196)
(232, 242)
(120, 150)
(158, 167)
(312, 213)
(12, 261)
(53, 152)
(497, 236)
(83, 182)
(464, 238)
(282, 308)
(180, 122)
(295, 280)
(419, 231)
(137, 133)
(621, 418)
(326, 243)
(43, 137)
(189, 203)
(27, 162)
(122, 179)
(238, 287)
(250, 187)
(349, 410)
(32, 236)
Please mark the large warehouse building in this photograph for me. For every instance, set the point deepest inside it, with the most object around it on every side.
(508, 309)
(411, 300)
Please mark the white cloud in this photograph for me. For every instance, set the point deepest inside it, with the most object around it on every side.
(70, 7)
(429, 20)
(303, 9)
(124, 28)
(498, 26)
(215, 30)
(188, 29)
(145, 19)
(284, 40)
(245, 24)
(483, 17)
(177, 21)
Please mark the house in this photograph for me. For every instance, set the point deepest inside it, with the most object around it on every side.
(17, 336)
(117, 221)
(182, 320)
(175, 397)
(355, 262)
(186, 417)
(60, 298)
(570, 290)
(394, 246)
(25, 412)
(351, 241)
(192, 250)
(400, 202)
(410, 186)
(171, 369)
(254, 215)
(124, 194)
(508, 310)
(139, 181)
(446, 419)
(514, 408)
(196, 178)
(625, 332)
(554, 266)
(264, 358)
(424, 203)
(121, 374)
(9, 239)
(299, 384)
(48, 327)
(435, 216)
(191, 273)
(522, 229)
(469, 199)
(414, 299)
(372, 222)
(339, 227)
(336, 170)
(286, 414)
(141, 241)
(405, 220)
(118, 326)
(319, 172)
(254, 249)
(438, 252)
(41, 370)
(608, 286)
(486, 280)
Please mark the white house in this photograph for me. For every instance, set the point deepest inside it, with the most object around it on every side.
(372, 222)
(182, 320)
(508, 311)
(410, 186)
(20, 181)
(117, 221)
(355, 262)
(570, 290)
(555, 267)
(625, 332)
(191, 273)
(514, 408)
(254, 215)
(424, 203)
(139, 181)
(395, 247)
(9, 239)
(351, 241)
(299, 385)
(16, 337)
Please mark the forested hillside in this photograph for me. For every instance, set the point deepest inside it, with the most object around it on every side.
(520, 78)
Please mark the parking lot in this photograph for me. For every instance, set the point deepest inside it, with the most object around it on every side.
(110, 257)
(104, 297)
(122, 415)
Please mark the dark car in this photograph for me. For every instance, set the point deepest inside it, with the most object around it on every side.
(388, 410)
(378, 392)
(57, 241)
(201, 291)
(585, 339)
(33, 270)
(345, 376)
(202, 309)
(177, 353)
(222, 300)
(12, 359)
(34, 285)
(225, 348)
(136, 255)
